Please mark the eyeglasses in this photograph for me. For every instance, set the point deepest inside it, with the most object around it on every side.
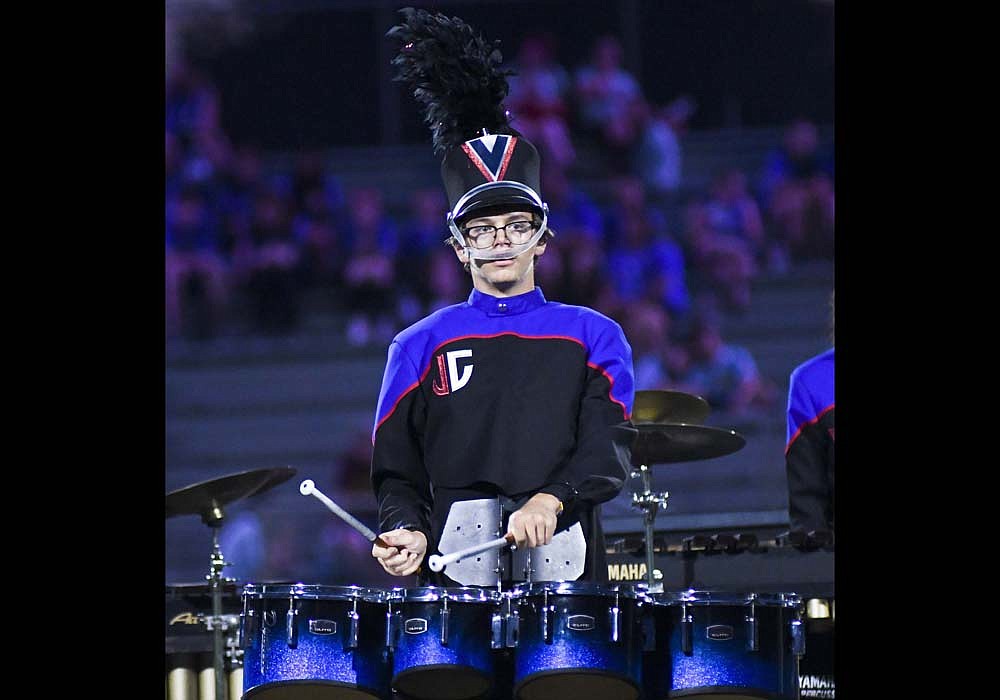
(485, 236)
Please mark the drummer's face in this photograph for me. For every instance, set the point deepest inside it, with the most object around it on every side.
(502, 277)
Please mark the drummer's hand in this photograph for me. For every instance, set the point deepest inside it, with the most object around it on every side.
(405, 554)
(535, 522)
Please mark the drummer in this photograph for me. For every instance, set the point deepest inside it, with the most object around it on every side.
(507, 412)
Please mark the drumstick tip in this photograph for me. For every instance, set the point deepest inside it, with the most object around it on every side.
(434, 562)
(306, 487)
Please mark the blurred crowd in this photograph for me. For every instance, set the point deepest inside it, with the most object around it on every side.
(248, 239)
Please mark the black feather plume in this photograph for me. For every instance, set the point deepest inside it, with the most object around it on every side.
(455, 73)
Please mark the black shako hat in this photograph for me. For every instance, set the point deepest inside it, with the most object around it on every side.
(457, 76)
(491, 170)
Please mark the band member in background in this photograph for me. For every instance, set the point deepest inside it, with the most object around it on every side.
(809, 450)
(506, 412)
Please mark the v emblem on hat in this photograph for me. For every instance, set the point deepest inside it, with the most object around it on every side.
(491, 154)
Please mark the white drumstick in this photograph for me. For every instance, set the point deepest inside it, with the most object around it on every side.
(308, 488)
(437, 562)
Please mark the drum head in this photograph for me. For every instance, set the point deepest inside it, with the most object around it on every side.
(312, 592)
(308, 690)
(423, 594)
(441, 682)
(582, 588)
(579, 683)
(706, 597)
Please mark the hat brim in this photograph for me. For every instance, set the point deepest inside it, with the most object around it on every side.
(499, 195)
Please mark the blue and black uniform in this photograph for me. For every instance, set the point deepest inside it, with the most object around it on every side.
(504, 397)
(809, 450)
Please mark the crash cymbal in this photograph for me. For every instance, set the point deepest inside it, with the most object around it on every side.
(668, 443)
(655, 406)
(207, 498)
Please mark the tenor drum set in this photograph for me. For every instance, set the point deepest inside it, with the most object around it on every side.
(538, 640)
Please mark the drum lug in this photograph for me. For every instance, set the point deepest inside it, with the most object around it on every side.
(291, 624)
(497, 631)
(352, 626)
(616, 621)
(444, 623)
(246, 629)
(798, 634)
(753, 642)
(391, 624)
(548, 612)
(513, 623)
(687, 631)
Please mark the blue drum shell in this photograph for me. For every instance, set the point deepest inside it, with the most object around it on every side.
(271, 665)
(424, 667)
(723, 664)
(578, 660)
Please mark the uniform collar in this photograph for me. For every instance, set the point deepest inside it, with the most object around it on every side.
(506, 306)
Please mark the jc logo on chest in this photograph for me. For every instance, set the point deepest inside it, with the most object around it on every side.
(449, 379)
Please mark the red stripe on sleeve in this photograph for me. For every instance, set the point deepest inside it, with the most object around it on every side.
(806, 425)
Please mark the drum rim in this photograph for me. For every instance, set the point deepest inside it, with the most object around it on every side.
(708, 597)
(462, 594)
(200, 587)
(624, 590)
(313, 591)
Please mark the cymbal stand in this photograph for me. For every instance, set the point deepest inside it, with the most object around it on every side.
(649, 503)
(217, 623)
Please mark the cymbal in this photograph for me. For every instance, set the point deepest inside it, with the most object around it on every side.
(655, 406)
(206, 497)
(667, 443)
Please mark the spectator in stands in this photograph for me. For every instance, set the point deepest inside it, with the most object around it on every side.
(799, 158)
(196, 274)
(193, 111)
(643, 260)
(732, 211)
(572, 272)
(609, 101)
(446, 281)
(234, 197)
(207, 157)
(370, 271)
(317, 233)
(317, 221)
(656, 358)
(585, 282)
(571, 210)
(242, 539)
(724, 264)
(268, 262)
(192, 102)
(539, 98)
(658, 158)
(724, 374)
(796, 187)
(421, 236)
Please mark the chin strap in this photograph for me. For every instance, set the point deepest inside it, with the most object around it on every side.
(499, 254)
